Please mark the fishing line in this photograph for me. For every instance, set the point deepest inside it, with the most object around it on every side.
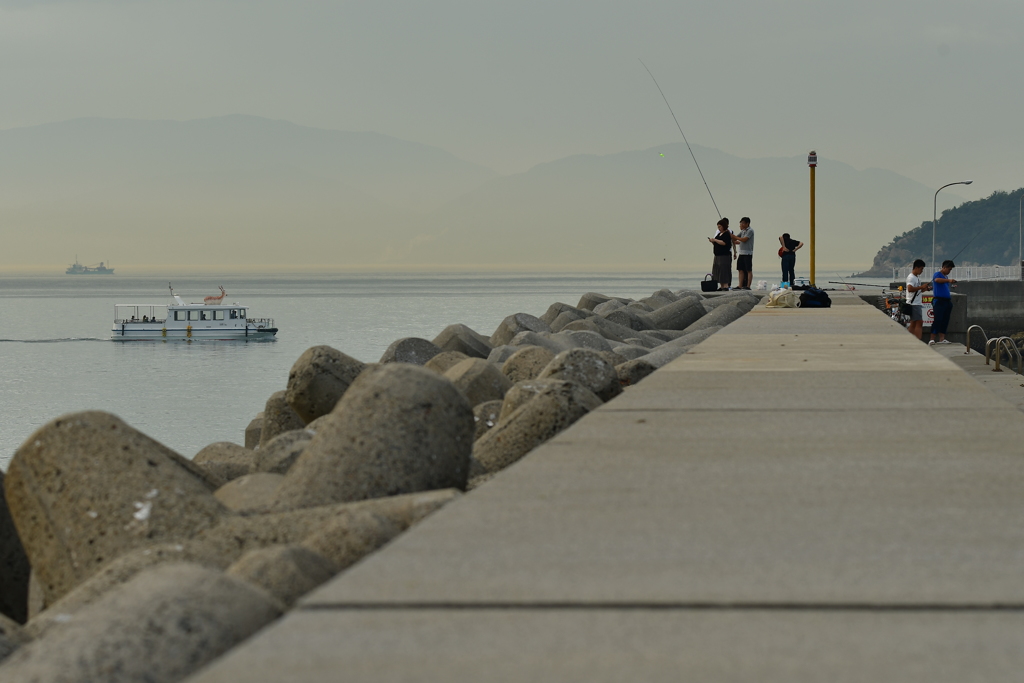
(976, 236)
(684, 137)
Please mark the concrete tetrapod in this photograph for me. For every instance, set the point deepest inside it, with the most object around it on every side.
(585, 339)
(632, 318)
(122, 570)
(249, 493)
(631, 372)
(742, 299)
(278, 417)
(678, 315)
(225, 460)
(397, 430)
(411, 350)
(606, 307)
(553, 409)
(630, 351)
(478, 380)
(446, 360)
(356, 527)
(514, 324)
(11, 637)
(282, 451)
(285, 571)
(318, 379)
(463, 339)
(591, 300)
(14, 567)
(253, 431)
(586, 368)
(523, 391)
(720, 317)
(526, 363)
(547, 340)
(566, 317)
(500, 354)
(486, 416)
(84, 475)
(659, 299)
(558, 308)
(351, 536)
(669, 351)
(159, 627)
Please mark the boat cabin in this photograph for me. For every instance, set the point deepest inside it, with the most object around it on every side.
(188, 313)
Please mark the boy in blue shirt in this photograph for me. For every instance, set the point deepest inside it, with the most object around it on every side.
(942, 302)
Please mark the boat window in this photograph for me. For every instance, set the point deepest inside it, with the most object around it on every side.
(204, 315)
(241, 313)
(234, 314)
(180, 315)
(218, 315)
(193, 315)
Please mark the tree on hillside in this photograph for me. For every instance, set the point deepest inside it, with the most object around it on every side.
(982, 232)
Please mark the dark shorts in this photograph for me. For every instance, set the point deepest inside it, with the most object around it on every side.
(745, 262)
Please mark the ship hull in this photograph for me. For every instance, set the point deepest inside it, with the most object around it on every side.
(144, 332)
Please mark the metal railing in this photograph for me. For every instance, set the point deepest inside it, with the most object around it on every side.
(967, 273)
(994, 348)
(983, 336)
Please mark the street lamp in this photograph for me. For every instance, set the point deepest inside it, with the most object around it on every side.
(935, 218)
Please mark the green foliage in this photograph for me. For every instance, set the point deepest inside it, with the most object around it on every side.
(983, 232)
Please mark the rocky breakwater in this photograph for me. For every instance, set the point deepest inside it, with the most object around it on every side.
(121, 560)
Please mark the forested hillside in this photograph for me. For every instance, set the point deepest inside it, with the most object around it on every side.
(983, 232)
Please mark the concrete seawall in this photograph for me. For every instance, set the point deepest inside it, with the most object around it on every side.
(997, 306)
(807, 495)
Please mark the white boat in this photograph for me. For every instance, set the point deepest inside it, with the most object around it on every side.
(211, 320)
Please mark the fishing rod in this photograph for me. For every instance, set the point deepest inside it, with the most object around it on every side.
(848, 285)
(684, 137)
(859, 284)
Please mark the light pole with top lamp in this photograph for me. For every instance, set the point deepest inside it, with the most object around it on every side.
(935, 218)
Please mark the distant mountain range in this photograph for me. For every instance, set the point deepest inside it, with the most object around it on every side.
(243, 190)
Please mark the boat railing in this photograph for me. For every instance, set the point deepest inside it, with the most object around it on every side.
(261, 323)
(132, 321)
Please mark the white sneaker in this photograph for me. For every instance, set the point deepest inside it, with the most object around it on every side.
(944, 341)
(931, 342)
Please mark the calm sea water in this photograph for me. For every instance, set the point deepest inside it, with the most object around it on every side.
(56, 355)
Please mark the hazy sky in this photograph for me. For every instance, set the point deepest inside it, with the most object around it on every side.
(932, 90)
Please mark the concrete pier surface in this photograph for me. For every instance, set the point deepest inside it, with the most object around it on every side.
(807, 495)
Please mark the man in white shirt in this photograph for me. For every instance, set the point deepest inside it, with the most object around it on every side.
(915, 292)
(745, 257)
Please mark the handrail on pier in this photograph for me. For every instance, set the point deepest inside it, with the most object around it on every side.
(983, 335)
(989, 345)
(1011, 351)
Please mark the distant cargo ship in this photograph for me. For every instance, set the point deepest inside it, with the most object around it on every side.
(78, 269)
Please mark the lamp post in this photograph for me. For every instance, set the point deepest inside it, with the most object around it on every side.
(935, 218)
(1020, 227)
(812, 161)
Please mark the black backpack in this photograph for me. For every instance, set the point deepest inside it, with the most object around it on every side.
(813, 297)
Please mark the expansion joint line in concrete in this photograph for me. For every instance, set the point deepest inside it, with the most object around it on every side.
(666, 606)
